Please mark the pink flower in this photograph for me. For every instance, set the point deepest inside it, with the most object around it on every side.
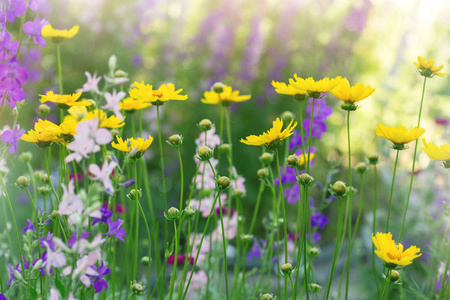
(91, 84)
(71, 203)
(112, 102)
(104, 174)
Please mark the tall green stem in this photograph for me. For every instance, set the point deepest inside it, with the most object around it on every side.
(182, 178)
(174, 272)
(309, 137)
(136, 241)
(374, 224)
(301, 127)
(414, 162)
(58, 57)
(392, 190)
(349, 250)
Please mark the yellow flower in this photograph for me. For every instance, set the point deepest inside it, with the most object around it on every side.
(77, 112)
(289, 89)
(315, 88)
(273, 137)
(59, 35)
(437, 153)
(393, 255)
(353, 94)
(130, 144)
(427, 68)
(227, 96)
(130, 104)
(302, 159)
(145, 92)
(105, 121)
(64, 101)
(44, 133)
(399, 135)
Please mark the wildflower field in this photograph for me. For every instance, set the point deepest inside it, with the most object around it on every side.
(168, 149)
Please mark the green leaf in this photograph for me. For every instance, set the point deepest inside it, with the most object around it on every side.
(61, 288)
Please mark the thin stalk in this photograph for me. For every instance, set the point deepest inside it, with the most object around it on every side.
(392, 190)
(164, 192)
(258, 202)
(35, 213)
(349, 250)
(58, 57)
(188, 259)
(149, 246)
(305, 226)
(182, 178)
(299, 237)
(136, 241)
(174, 272)
(413, 164)
(301, 127)
(309, 137)
(374, 225)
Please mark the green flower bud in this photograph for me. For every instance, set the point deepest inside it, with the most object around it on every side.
(266, 158)
(361, 168)
(189, 211)
(305, 179)
(313, 251)
(314, 287)
(339, 189)
(374, 159)
(175, 140)
(218, 87)
(25, 157)
(292, 160)
(225, 148)
(262, 173)
(137, 287)
(267, 297)
(286, 269)
(287, 117)
(239, 193)
(300, 97)
(145, 260)
(205, 153)
(54, 215)
(44, 190)
(247, 238)
(349, 106)
(115, 131)
(223, 182)
(120, 73)
(43, 110)
(135, 194)
(45, 178)
(22, 182)
(205, 124)
(394, 275)
(173, 214)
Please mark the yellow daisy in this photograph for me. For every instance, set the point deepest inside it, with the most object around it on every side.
(105, 121)
(273, 137)
(59, 35)
(427, 68)
(137, 147)
(129, 104)
(65, 131)
(436, 153)
(64, 101)
(393, 255)
(399, 135)
(350, 95)
(227, 96)
(145, 92)
(289, 89)
(41, 136)
(315, 88)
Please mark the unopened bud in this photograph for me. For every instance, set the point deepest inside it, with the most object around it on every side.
(394, 275)
(286, 269)
(314, 251)
(305, 179)
(205, 124)
(223, 182)
(218, 87)
(262, 173)
(25, 157)
(292, 160)
(361, 168)
(225, 148)
(137, 287)
(112, 63)
(239, 193)
(54, 215)
(266, 158)
(173, 214)
(374, 158)
(135, 194)
(37, 265)
(44, 190)
(205, 153)
(287, 116)
(266, 297)
(22, 182)
(145, 260)
(247, 238)
(189, 211)
(43, 110)
(175, 140)
(45, 178)
(120, 73)
(339, 188)
(314, 287)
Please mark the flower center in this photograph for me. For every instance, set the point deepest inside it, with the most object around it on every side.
(157, 94)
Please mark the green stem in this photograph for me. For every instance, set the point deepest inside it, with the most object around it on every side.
(164, 192)
(349, 250)
(174, 272)
(182, 179)
(188, 258)
(13, 217)
(413, 164)
(258, 202)
(58, 57)
(301, 128)
(359, 208)
(305, 226)
(309, 138)
(299, 237)
(136, 241)
(374, 225)
(35, 213)
(392, 190)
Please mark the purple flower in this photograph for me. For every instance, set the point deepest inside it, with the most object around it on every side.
(116, 230)
(106, 214)
(255, 251)
(34, 28)
(12, 76)
(2, 297)
(97, 280)
(44, 261)
(318, 220)
(6, 46)
(34, 4)
(73, 238)
(48, 241)
(30, 226)
(128, 183)
(15, 9)
(18, 268)
(11, 138)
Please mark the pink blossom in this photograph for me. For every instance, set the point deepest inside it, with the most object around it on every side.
(91, 84)
(104, 174)
(112, 102)
(71, 203)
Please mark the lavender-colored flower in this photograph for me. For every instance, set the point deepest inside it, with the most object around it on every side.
(106, 214)
(97, 281)
(30, 226)
(104, 174)
(12, 76)
(71, 203)
(91, 84)
(2, 297)
(47, 241)
(74, 238)
(55, 258)
(44, 261)
(318, 220)
(34, 4)
(18, 268)
(34, 29)
(255, 251)
(11, 138)
(116, 230)
(128, 183)
(15, 8)
(112, 102)
(6, 46)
